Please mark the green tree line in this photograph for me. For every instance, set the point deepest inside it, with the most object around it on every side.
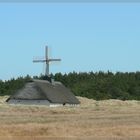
(9, 87)
(99, 85)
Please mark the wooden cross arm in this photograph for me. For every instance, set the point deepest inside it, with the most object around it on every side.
(54, 60)
(35, 61)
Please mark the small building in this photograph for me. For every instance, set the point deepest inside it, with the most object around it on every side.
(43, 92)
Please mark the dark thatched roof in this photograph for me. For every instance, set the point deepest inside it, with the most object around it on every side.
(43, 90)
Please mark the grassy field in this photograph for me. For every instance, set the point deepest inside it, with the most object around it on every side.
(92, 120)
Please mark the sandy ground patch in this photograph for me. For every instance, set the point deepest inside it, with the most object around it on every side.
(95, 120)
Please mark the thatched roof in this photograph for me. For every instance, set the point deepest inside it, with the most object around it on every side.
(44, 90)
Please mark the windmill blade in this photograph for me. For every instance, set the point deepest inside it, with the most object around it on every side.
(47, 54)
(54, 59)
(44, 66)
(36, 61)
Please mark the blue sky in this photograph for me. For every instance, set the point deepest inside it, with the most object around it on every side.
(87, 37)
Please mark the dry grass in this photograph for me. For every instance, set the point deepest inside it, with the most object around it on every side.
(107, 120)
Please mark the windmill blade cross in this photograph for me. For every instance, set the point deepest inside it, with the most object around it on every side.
(46, 61)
